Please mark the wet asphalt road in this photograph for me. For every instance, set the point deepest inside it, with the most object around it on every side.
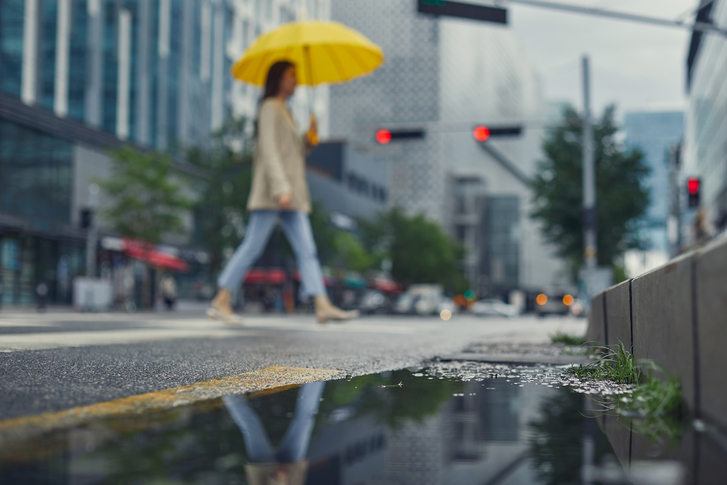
(57, 361)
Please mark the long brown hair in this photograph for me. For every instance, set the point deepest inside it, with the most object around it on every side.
(272, 84)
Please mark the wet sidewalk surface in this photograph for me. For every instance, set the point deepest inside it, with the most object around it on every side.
(446, 423)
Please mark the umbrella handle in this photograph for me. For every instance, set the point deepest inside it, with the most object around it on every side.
(312, 136)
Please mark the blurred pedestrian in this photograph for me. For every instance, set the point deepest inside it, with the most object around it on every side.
(41, 294)
(279, 192)
(168, 288)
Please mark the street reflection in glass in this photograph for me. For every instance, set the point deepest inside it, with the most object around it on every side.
(396, 427)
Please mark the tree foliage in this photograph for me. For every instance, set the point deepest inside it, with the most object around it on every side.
(621, 197)
(220, 211)
(146, 201)
(419, 250)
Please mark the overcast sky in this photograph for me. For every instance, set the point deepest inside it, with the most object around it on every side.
(637, 66)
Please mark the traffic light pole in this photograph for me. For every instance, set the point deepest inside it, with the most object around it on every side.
(675, 218)
(506, 163)
(590, 249)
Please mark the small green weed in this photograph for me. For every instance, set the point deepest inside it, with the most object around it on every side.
(655, 404)
(565, 338)
(614, 365)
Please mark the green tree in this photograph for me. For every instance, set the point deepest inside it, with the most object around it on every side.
(220, 211)
(350, 252)
(419, 250)
(146, 201)
(621, 197)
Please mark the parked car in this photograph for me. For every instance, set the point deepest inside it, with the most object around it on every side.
(420, 299)
(553, 304)
(372, 301)
(496, 308)
(447, 303)
(404, 304)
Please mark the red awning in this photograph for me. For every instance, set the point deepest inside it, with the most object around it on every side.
(148, 253)
(263, 276)
(388, 286)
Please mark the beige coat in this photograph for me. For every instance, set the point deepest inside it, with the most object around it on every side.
(279, 160)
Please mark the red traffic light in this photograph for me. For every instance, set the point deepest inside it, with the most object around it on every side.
(693, 186)
(383, 136)
(481, 133)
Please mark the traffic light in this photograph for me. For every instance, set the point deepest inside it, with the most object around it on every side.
(483, 133)
(693, 184)
(86, 218)
(384, 136)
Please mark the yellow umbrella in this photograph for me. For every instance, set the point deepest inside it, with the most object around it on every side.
(324, 52)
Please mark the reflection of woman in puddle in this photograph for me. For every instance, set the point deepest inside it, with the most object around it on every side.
(287, 465)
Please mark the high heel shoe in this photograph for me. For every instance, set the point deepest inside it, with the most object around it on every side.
(325, 311)
(224, 316)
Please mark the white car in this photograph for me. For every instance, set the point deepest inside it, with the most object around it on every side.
(495, 308)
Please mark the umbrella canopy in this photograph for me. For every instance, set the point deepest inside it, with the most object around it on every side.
(323, 52)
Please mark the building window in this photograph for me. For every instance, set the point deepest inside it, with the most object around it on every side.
(11, 46)
(35, 175)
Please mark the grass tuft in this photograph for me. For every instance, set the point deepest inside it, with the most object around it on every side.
(657, 403)
(565, 338)
(617, 365)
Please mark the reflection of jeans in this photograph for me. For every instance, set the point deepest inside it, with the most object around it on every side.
(296, 226)
(294, 445)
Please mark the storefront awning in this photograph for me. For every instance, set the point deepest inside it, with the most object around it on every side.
(388, 286)
(149, 253)
(262, 276)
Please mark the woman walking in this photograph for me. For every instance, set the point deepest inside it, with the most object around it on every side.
(279, 192)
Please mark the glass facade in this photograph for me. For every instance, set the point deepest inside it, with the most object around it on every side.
(110, 66)
(77, 62)
(152, 51)
(653, 133)
(173, 77)
(93, 85)
(11, 46)
(36, 185)
(705, 148)
(168, 102)
(47, 69)
(502, 242)
(133, 7)
(35, 175)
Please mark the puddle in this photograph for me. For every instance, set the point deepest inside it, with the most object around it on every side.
(453, 424)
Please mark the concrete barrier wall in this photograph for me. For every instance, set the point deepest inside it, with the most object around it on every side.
(676, 316)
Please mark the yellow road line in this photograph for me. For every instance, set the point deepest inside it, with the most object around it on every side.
(21, 429)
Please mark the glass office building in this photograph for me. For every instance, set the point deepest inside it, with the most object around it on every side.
(438, 79)
(654, 132)
(80, 77)
(705, 144)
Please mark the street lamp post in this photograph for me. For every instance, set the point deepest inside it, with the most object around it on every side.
(590, 249)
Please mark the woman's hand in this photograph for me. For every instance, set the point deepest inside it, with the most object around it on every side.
(312, 133)
(285, 201)
(313, 124)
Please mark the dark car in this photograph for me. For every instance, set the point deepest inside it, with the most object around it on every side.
(553, 304)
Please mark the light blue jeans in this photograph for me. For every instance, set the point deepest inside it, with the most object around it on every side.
(296, 226)
(294, 445)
